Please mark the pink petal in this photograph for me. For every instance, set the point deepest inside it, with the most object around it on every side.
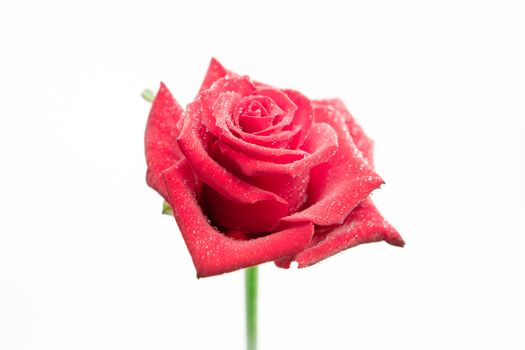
(338, 186)
(364, 225)
(288, 181)
(361, 140)
(260, 119)
(252, 123)
(302, 119)
(320, 146)
(251, 218)
(287, 106)
(160, 138)
(215, 72)
(248, 127)
(276, 178)
(212, 252)
(279, 139)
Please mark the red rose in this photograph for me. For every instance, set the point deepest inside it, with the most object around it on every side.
(256, 174)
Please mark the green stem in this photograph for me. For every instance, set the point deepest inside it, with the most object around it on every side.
(251, 281)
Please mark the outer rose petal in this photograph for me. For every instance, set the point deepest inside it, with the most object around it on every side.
(215, 71)
(338, 186)
(361, 140)
(160, 138)
(212, 252)
(210, 172)
(364, 225)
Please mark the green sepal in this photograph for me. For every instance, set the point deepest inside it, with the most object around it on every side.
(148, 95)
(166, 209)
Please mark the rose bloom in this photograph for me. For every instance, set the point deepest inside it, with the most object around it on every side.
(255, 173)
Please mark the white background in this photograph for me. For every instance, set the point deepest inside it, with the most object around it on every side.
(88, 262)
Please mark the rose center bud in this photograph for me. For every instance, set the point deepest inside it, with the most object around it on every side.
(256, 109)
(261, 138)
(256, 113)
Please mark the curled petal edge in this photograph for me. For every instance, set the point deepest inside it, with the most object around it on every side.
(212, 252)
(160, 138)
(321, 144)
(215, 71)
(364, 225)
(340, 184)
(364, 143)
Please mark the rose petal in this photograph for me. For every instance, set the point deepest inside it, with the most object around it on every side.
(291, 187)
(320, 146)
(364, 225)
(285, 103)
(361, 140)
(223, 96)
(284, 263)
(303, 118)
(160, 138)
(255, 113)
(288, 181)
(212, 252)
(338, 186)
(279, 139)
(215, 72)
(191, 144)
(253, 123)
(251, 218)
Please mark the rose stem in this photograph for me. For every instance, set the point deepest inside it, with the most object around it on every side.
(251, 281)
